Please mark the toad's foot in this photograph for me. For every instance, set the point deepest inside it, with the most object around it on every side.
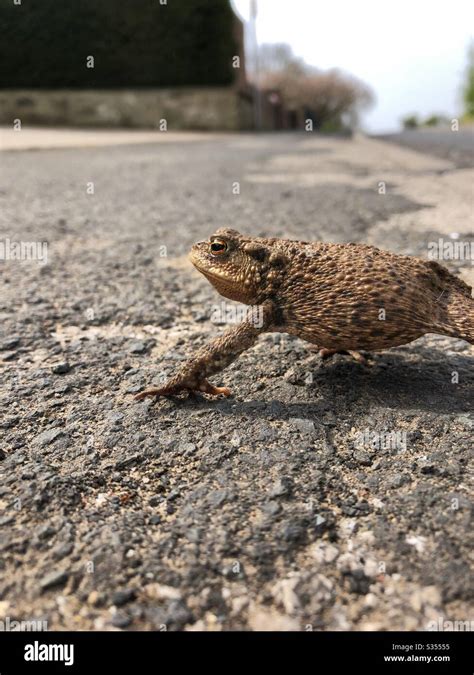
(204, 387)
(213, 358)
(325, 353)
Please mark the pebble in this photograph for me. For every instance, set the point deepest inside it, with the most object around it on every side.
(47, 437)
(397, 480)
(218, 497)
(304, 426)
(127, 461)
(319, 521)
(271, 508)
(178, 614)
(120, 620)
(363, 458)
(186, 447)
(62, 551)
(115, 418)
(6, 520)
(358, 582)
(466, 421)
(45, 532)
(281, 488)
(193, 534)
(137, 347)
(61, 368)
(284, 593)
(53, 580)
(157, 591)
(292, 532)
(417, 541)
(121, 598)
(9, 343)
(326, 553)
(264, 434)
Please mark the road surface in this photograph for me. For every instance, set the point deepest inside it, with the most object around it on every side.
(323, 495)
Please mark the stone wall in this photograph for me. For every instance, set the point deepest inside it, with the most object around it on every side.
(209, 108)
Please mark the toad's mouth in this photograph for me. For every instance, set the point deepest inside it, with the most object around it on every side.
(219, 280)
(205, 267)
(224, 285)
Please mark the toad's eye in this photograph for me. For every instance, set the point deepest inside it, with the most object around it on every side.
(218, 247)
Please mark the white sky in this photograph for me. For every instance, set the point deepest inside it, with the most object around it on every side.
(413, 53)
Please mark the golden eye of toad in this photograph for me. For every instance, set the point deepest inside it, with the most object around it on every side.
(218, 247)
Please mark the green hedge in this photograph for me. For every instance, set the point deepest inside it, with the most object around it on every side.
(135, 43)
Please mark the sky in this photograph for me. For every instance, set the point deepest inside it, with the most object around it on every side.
(413, 53)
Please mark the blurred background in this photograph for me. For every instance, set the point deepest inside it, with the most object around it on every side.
(237, 64)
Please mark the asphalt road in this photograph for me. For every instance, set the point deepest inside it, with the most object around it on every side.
(456, 146)
(323, 495)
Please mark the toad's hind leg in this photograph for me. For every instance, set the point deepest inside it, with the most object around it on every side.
(325, 353)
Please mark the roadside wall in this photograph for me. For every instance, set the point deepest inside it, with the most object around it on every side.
(205, 108)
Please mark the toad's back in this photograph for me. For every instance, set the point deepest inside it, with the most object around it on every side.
(351, 296)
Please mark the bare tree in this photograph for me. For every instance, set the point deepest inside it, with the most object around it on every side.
(331, 98)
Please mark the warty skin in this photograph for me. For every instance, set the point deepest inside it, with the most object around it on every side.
(340, 297)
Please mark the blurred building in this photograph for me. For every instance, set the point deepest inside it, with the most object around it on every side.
(135, 63)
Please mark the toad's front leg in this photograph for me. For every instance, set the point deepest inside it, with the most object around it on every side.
(215, 356)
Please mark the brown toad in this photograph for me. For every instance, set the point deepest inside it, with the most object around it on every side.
(341, 297)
